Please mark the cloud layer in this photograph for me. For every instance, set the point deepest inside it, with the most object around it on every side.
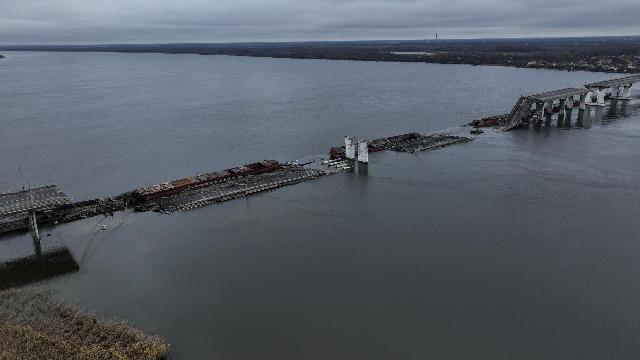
(131, 21)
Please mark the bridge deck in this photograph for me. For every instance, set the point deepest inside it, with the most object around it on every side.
(43, 197)
(558, 94)
(615, 82)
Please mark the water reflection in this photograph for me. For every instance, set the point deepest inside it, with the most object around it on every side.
(613, 108)
(617, 109)
(587, 120)
(582, 113)
(597, 117)
(361, 169)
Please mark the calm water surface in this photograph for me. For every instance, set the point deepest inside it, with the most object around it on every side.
(520, 245)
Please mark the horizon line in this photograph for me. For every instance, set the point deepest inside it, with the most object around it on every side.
(440, 39)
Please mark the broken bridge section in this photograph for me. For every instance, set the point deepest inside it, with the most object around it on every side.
(538, 108)
(532, 107)
(23, 201)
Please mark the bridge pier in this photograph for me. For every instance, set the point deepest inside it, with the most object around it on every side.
(582, 108)
(622, 92)
(561, 113)
(626, 94)
(615, 92)
(586, 119)
(566, 123)
(548, 113)
(349, 147)
(600, 94)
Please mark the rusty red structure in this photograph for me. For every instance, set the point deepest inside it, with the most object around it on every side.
(177, 186)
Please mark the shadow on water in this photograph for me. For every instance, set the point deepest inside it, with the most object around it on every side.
(39, 266)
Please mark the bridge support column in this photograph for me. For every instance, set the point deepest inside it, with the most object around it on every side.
(600, 93)
(586, 119)
(582, 108)
(548, 112)
(625, 92)
(615, 92)
(561, 113)
(349, 147)
(566, 123)
(35, 233)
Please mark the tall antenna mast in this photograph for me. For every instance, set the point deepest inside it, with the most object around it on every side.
(33, 224)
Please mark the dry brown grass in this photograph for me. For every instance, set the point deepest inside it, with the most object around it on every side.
(35, 326)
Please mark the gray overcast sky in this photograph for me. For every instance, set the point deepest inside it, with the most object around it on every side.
(130, 21)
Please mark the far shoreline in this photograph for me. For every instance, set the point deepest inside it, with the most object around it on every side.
(592, 54)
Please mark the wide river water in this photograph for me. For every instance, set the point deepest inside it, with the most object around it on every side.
(519, 245)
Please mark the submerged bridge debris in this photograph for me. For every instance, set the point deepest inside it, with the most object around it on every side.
(411, 143)
(53, 206)
(191, 193)
(50, 206)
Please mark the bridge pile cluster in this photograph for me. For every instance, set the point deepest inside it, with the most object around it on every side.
(539, 108)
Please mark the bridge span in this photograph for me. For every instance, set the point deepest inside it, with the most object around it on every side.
(538, 108)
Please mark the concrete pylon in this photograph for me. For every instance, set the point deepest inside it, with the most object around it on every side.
(363, 151)
(581, 115)
(561, 113)
(349, 148)
(615, 91)
(583, 102)
(566, 123)
(600, 94)
(625, 92)
(586, 119)
(548, 113)
(582, 109)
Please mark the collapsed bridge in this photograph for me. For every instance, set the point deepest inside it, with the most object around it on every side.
(538, 108)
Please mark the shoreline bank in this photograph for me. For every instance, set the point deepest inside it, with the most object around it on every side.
(34, 325)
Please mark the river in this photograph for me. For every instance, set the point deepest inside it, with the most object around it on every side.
(519, 245)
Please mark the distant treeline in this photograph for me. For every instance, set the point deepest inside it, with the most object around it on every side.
(608, 54)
